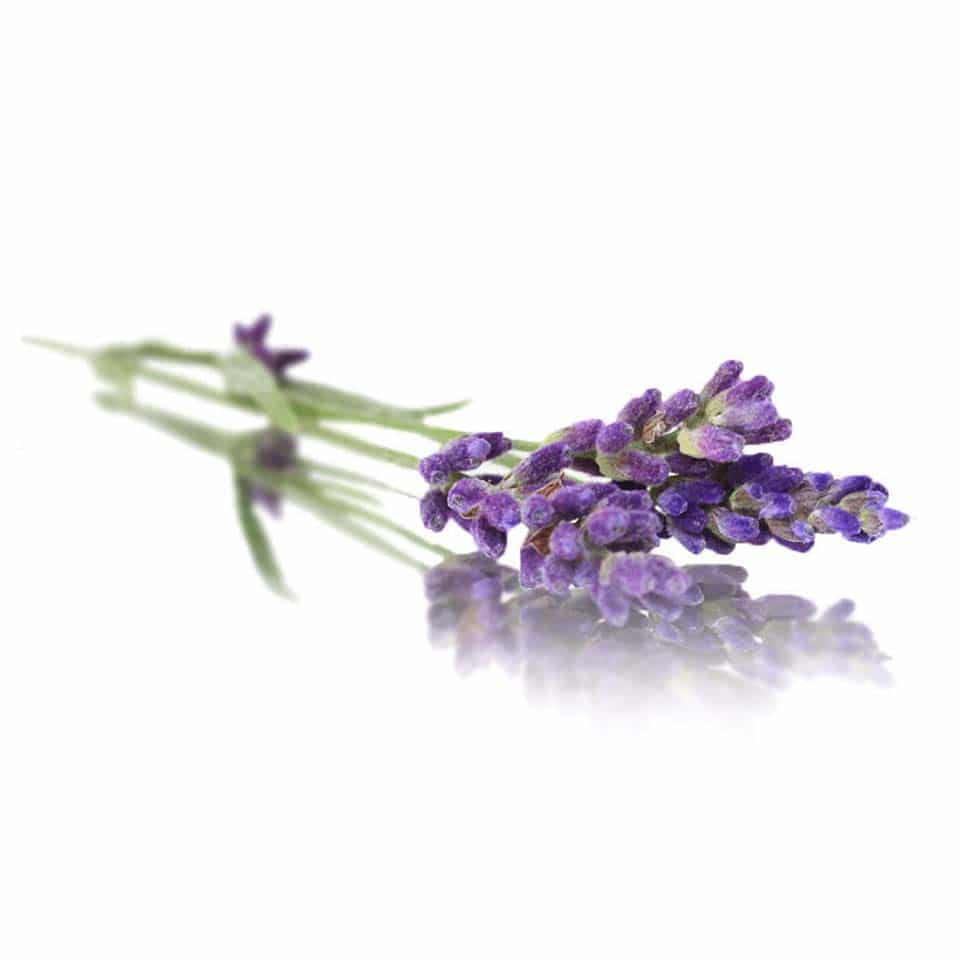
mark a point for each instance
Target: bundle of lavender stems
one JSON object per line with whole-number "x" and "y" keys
{"x": 593, "y": 501}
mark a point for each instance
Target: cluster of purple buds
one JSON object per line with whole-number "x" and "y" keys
{"x": 718, "y": 633}
{"x": 253, "y": 339}
{"x": 671, "y": 468}
{"x": 472, "y": 501}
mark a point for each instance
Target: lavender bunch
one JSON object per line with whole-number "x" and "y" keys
{"x": 594, "y": 499}
{"x": 673, "y": 468}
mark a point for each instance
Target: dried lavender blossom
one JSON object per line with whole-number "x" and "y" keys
{"x": 253, "y": 339}
{"x": 674, "y": 469}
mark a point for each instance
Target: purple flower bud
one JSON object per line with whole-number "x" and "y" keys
{"x": 490, "y": 542}
{"x": 565, "y": 541}
{"x": 641, "y": 467}
{"x": 835, "y": 520}
{"x": 629, "y": 499}
{"x": 893, "y": 519}
{"x": 540, "y": 466}
{"x": 672, "y": 502}
{"x": 747, "y": 468}
{"x": 774, "y": 433}
{"x": 499, "y": 444}
{"x": 631, "y": 573}
{"x": 255, "y": 333}
{"x": 734, "y": 527}
{"x": 434, "y": 468}
{"x": 613, "y": 605}
{"x": 536, "y": 512}
{"x": 433, "y": 510}
{"x": 777, "y": 506}
{"x": 694, "y": 542}
{"x": 557, "y": 574}
{"x": 678, "y": 407}
{"x": 644, "y": 529}
{"x": 711, "y": 443}
{"x": 843, "y": 486}
{"x": 747, "y": 417}
{"x": 639, "y": 410}
{"x": 780, "y": 479}
{"x": 693, "y": 520}
{"x": 727, "y": 374}
{"x": 466, "y": 453}
{"x": 466, "y": 494}
{"x": 574, "y": 501}
{"x": 501, "y": 511}
{"x": 701, "y": 491}
{"x": 688, "y": 466}
{"x": 581, "y": 437}
{"x": 614, "y": 437}
{"x": 253, "y": 339}
{"x": 531, "y": 567}
{"x": 607, "y": 524}
{"x": 749, "y": 391}
{"x": 819, "y": 481}
{"x": 792, "y": 532}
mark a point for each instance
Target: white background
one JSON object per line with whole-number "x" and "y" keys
{"x": 548, "y": 208}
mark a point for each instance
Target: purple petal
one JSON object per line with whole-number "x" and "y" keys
{"x": 725, "y": 377}
{"x": 501, "y": 511}
{"x": 639, "y": 410}
{"x": 537, "y": 512}
{"x": 641, "y": 467}
{"x": 614, "y": 437}
{"x": 678, "y": 407}
{"x": 711, "y": 443}
{"x": 465, "y": 494}
{"x": 607, "y": 524}
{"x": 731, "y": 526}
{"x": 565, "y": 541}
{"x": 433, "y": 510}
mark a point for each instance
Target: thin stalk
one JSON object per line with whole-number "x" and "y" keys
{"x": 354, "y": 476}
{"x": 216, "y": 395}
{"x": 348, "y": 442}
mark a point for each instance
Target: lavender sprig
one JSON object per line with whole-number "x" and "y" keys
{"x": 665, "y": 469}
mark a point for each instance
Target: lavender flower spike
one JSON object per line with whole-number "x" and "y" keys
{"x": 540, "y": 466}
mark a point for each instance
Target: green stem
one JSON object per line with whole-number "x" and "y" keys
{"x": 390, "y": 420}
{"x": 348, "y": 442}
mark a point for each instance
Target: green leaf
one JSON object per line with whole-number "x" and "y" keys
{"x": 248, "y": 377}
{"x": 257, "y": 539}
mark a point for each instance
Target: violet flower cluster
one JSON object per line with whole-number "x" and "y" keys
{"x": 674, "y": 468}
{"x": 719, "y": 637}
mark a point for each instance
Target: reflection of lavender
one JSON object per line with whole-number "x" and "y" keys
{"x": 719, "y": 640}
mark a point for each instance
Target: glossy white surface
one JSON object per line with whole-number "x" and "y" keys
{"x": 547, "y": 208}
